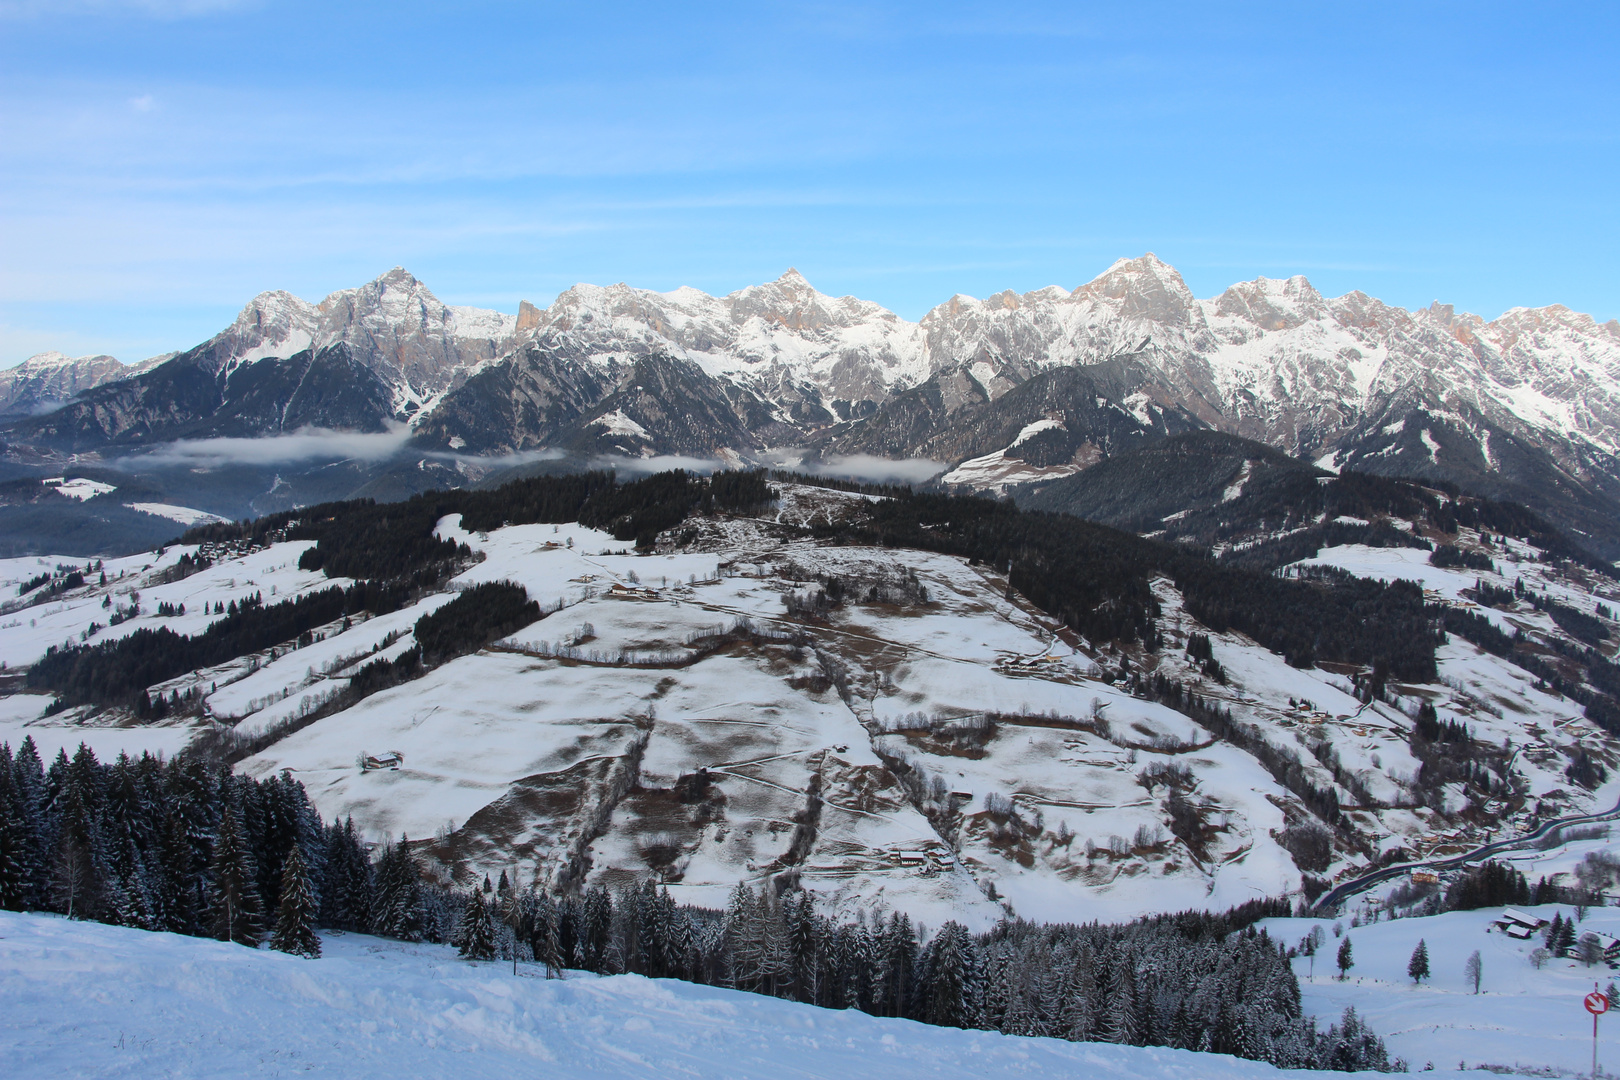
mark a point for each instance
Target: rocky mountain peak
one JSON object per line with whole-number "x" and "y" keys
{"x": 792, "y": 303}
{"x": 52, "y": 360}
{"x": 528, "y": 317}
{"x": 1144, "y": 289}
{"x": 1272, "y": 303}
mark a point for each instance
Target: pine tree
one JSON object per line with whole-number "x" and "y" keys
{"x": 29, "y": 773}
{"x": 950, "y": 978}
{"x": 234, "y": 909}
{"x": 1561, "y": 935}
{"x": 1120, "y": 1020}
{"x": 477, "y": 928}
{"x": 745, "y": 938}
{"x": 1078, "y": 1012}
{"x": 348, "y": 896}
{"x": 130, "y": 899}
{"x": 1346, "y": 958}
{"x": 398, "y": 911}
{"x": 899, "y": 960}
{"x": 79, "y": 868}
{"x": 545, "y": 936}
{"x": 14, "y": 839}
{"x": 295, "y": 915}
{"x": 804, "y": 947}
{"x": 598, "y": 929}
{"x": 1418, "y": 966}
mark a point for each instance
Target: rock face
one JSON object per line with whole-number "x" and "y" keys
{"x": 362, "y": 357}
{"x": 1526, "y": 406}
{"x": 46, "y": 380}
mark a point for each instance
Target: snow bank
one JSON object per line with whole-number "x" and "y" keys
{"x": 146, "y": 1005}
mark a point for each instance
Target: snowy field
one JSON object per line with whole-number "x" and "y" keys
{"x": 1522, "y": 1018}
{"x": 82, "y": 999}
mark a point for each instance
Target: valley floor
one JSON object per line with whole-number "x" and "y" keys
{"x": 1523, "y": 1018}
{"x": 82, "y": 999}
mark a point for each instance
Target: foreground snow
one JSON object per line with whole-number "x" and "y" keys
{"x": 81, "y": 999}
{"x": 1522, "y": 1018}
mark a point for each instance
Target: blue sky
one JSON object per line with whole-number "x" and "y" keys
{"x": 161, "y": 161}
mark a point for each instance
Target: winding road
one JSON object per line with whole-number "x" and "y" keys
{"x": 1340, "y": 893}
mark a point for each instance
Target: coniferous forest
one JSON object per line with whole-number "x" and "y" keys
{"x": 182, "y": 847}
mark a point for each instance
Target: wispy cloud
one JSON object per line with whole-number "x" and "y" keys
{"x": 658, "y": 463}
{"x": 878, "y": 469}
{"x": 306, "y": 444}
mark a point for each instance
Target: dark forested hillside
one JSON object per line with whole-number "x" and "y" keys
{"x": 1096, "y": 580}
{"x": 1184, "y": 474}
{"x": 1211, "y": 489}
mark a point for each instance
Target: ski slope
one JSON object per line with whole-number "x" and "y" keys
{"x": 83, "y": 999}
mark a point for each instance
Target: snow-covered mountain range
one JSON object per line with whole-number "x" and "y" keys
{"x": 46, "y": 380}
{"x": 1526, "y": 406}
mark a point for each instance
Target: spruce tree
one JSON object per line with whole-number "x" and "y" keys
{"x": 234, "y": 909}
{"x": 295, "y": 916}
{"x": 1418, "y": 966}
{"x": 597, "y": 930}
{"x": 545, "y": 940}
{"x": 1566, "y": 938}
{"x": 804, "y": 947}
{"x": 398, "y": 912}
{"x": 14, "y": 841}
{"x": 1079, "y": 993}
{"x": 950, "y": 975}
{"x": 477, "y": 928}
{"x": 1346, "y": 958}
{"x": 29, "y": 773}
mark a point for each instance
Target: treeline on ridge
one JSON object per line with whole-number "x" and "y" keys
{"x": 121, "y": 670}
{"x": 1096, "y": 580}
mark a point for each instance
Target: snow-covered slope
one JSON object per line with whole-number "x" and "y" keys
{"x": 83, "y": 999}
{"x": 1524, "y": 1018}
{"x": 934, "y": 745}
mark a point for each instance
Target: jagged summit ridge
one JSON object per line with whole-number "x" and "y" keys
{"x": 1534, "y": 393}
{"x": 418, "y": 344}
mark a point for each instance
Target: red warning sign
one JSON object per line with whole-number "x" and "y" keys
{"x": 1597, "y": 1004}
